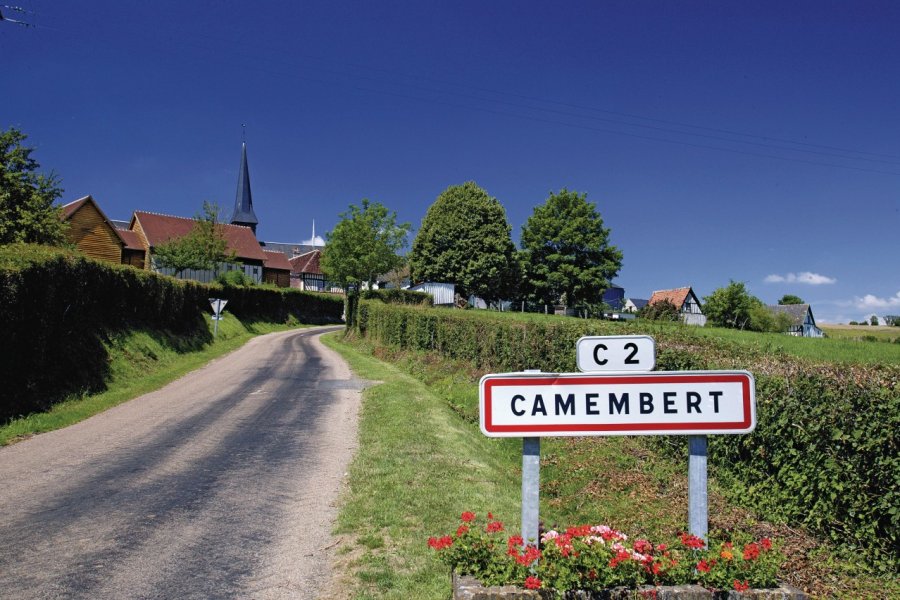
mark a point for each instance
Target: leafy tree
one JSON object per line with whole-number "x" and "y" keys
{"x": 566, "y": 254}
{"x": 791, "y": 299}
{"x": 465, "y": 240}
{"x": 364, "y": 244}
{"x": 27, "y": 213}
{"x": 730, "y": 306}
{"x": 203, "y": 249}
{"x": 892, "y": 320}
{"x": 663, "y": 310}
{"x": 763, "y": 319}
{"x": 873, "y": 320}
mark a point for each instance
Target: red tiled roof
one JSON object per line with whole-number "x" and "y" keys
{"x": 276, "y": 260}
{"x": 676, "y": 296}
{"x": 131, "y": 238}
{"x": 307, "y": 263}
{"x": 161, "y": 228}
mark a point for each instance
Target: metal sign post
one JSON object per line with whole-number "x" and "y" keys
{"x": 698, "y": 505}
{"x": 531, "y": 485}
{"x": 218, "y": 305}
{"x": 617, "y": 394}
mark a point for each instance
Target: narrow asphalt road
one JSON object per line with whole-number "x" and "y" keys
{"x": 223, "y": 484}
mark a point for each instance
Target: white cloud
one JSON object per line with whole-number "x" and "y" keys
{"x": 802, "y": 277}
{"x": 872, "y": 302}
{"x": 316, "y": 241}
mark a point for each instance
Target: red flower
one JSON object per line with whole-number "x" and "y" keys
{"x": 468, "y": 517}
{"x": 692, "y": 541}
{"x": 703, "y": 566}
{"x": 462, "y": 530}
{"x": 580, "y": 531}
{"x": 766, "y": 543}
{"x": 620, "y": 557}
{"x": 741, "y": 586}
{"x": 530, "y": 555}
{"x": 440, "y": 543}
{"x": 751, "y": 552}
{"x": 491, "y": 516}
{"x": 532, "y": 583}
{"x": 643, "y": 546}
{"x": 494, "y": 526}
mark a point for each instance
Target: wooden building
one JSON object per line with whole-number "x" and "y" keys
{"x": 91, "y": 231}
{"x": 277, "y": 269}
{"x": 154, "y": 229}
{"x": 802, "y": 323}
{"x": 306, "y": 274}
{"x": 686, "y": 301}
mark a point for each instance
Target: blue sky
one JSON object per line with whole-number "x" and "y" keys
{"x": 749, "y": 141}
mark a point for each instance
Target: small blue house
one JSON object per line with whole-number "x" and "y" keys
{"x": 802, "y": 323}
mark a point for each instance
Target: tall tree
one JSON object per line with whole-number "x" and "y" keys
{"x": 791, "y": 299}
{"x": 566, "y": 254}
{"x": 203, "y": 249}
{"x": 465, "y": 240}
{"x": 364, "y": 244}
{"x": 27, "y": 213}
{"x": 731, "y": 306}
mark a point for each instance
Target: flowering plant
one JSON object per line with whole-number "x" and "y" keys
{"x": 598, "y": 557}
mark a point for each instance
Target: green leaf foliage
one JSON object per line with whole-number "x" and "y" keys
{"x": 27, "y": 213}
{"x": 566, "y": 255}
{"x": 791, "y": 299}
{"x": 364, "y": 244}
{"x": 203, "y": 249}
{"x": 465, "y": 240}
{"x": 58, "y": 309}
{"x": 731, "y": 306}
{"x": 824, "y": 452}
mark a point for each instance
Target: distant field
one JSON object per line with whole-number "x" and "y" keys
{"x": 844, "y": 344}
{"x": 861, "y": 332}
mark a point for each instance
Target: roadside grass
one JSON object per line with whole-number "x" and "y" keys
{"x": 422, "y": 461}
{"x": 139, "y": 362}
{"x": 417, "y": 469}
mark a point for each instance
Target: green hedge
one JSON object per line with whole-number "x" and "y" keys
{"x": 824, "y": 454}
{"x": 57, "y": 309}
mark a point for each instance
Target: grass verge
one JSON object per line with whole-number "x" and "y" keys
{"x": 418, "y": 467}
{"x": 422, "y": 461}
{"x": 139, "y": 362}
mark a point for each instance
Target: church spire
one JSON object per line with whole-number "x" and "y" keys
{"x": 243, "y": 202}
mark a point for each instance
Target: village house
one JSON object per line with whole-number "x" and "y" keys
{"x": 685, "y": 300}
{"x": 802, "y": 323}
{"x": 633, "y": 305}
{"x": 154, "y": 229}
{"x": 96, "y": 236}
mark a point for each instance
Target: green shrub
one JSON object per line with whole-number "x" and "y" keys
{"x": 825, "y": 451}
{"x": 58, "y": 309}
{"x": 234, "y": 279}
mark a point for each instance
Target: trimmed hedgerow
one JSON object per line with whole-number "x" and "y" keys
{"x": 58, "y": 308}
{"x": 824, "y": 455}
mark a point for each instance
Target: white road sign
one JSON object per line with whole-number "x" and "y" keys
{"x": 218, "y": 305}
{"x": 615, "y": 353}
{"x": 658, "y": 403}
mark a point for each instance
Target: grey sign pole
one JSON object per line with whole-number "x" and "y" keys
{"x": 698, "y": 506}
{"x": 531, "y": 484}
